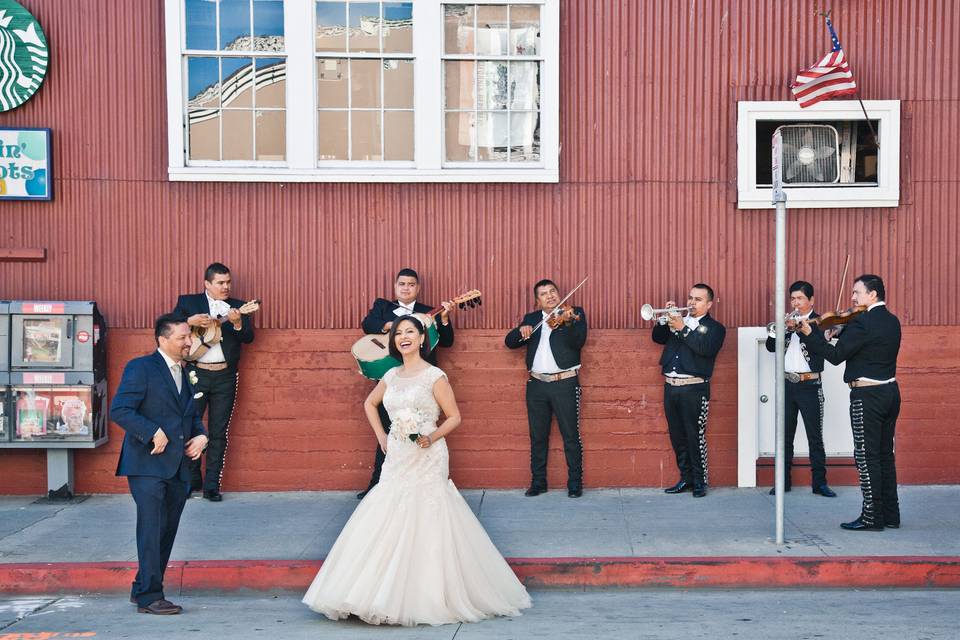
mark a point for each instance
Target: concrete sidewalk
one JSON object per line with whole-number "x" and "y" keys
{"x": 627, "y": 537}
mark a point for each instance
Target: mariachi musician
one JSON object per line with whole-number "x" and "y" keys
{"x": 553, "y": 334}
{"x": 380, "y": 319}
{"x": 690, "y": 347}
{"x": 803, "y": 391}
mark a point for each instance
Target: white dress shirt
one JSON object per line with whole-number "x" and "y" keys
{"x": 218, "y": 308}
{"x": 692, "y": 323}
{"x": 174, "y": 368}
{"x": 793, "y": 361}
{"x": 404, "y": 309}
{"x": 543, "y": 360}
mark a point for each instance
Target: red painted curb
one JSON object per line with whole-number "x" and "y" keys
{"x": 728, "y": 572}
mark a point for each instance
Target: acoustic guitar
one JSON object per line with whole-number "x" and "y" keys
{"x": 372, "y": 352}
{"x": 202, "y": 339}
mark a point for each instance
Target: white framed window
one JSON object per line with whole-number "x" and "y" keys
{"x": 856, "y": 172}
{"x": 363, "y": 90}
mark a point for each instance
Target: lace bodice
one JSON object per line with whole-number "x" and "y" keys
{"x": 415, "y": 394}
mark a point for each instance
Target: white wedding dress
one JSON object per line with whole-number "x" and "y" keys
{"x": 413, "y": 552}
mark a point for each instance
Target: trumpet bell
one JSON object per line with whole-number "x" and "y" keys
{"x": 647, "y": 312}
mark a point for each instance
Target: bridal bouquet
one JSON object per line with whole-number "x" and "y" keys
{"x": 406, "y": 422}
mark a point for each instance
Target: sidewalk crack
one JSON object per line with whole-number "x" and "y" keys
{"x": 35, "y": 522}
{"x": 626, "y": 523}
{"x": 483, "y": 494}
{"x": 28, "y": 613}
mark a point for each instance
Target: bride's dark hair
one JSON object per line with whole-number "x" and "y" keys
{"x": 392, "y": 337}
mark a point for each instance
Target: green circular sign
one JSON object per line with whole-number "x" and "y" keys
{"x": 24, "y": 55}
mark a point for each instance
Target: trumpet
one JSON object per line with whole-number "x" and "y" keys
{"x": 647, "y": 312}
{"x": 793, "y": 315}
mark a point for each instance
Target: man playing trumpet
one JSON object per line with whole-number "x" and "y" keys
{"x": 804, "y": 392}
{"x": 690, "y": 347}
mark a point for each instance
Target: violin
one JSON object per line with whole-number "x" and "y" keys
{"x": 836, "y": 318}
{"x": 562, "y": 316}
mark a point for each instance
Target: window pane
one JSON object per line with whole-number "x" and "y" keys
{"x": 398, "y": 27}
{"x": 271, "y": 135}
{"x": 398, "y": 84}
{"x": 235, "y": 25}
{"x": 398, "y": 135}
{"x": 332, "y": 83}
{"x": 201, "y": 18}
{"x": 331, "y": 26}
{"x": 365, "y": 83}
{"x": 458, "y": 28}
{"x": 458, "y": 82}
{"x": 524, "y": 85}
{"x": 203, "y": 82}
{"x": 268, "y": 25}
{"x": 365, "y": 135}
{"x": 524, "y": 29}
{"x": 492, "y": 136}
{"x": 204, "y": 132}
{"x": 459, "y": 135}
{"x": 524, "y": 136}
{"x": 236, "y": 82}
{"x": 364, "y": 30}
{"x": 492, "y": 30}
{"x": 238, "y": 135}
{"x": 491, "y": 84}
{"x": 271, "y": 82}
{"x": 332, "y": 126}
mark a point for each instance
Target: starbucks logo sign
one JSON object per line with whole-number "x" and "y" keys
{"x": 24, "y": 55}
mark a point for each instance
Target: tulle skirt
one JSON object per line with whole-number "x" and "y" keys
{"x": 415, "y": 554}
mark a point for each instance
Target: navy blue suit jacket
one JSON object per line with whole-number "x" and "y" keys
{"x": 146, "y": 400}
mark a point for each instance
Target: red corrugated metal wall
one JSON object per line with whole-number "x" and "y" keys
{"x": 646, "y": 206}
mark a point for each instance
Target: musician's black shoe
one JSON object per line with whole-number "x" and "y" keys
{"x": 860, "y": 525}
{"x": 534, "y": 491}
{"x": 825, "y": 491}
{"x": 680, "y": 487}
{"x": 213, "y": 495}
{"x": 699, "y": 490}
{"x": 574, "y": 493}
{"x": 773, "y": 490}
{"x": 363, "y": 494}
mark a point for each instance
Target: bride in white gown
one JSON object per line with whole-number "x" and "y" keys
{"x": 413, "y": 552}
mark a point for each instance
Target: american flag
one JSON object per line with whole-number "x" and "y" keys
{"x": 829, "y": 78}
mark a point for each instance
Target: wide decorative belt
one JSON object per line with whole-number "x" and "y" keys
{"x": 801, "y": 377}
{"x": 211, "y": 366}
{"x": 856, "y": 384}
{"x": 554, "y": 377}
{"x": 682, "y": 382}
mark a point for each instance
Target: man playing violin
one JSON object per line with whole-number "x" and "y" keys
{"x": 869, "y": 345}
{"x": 216, "y": 370}
{"x": 380, "y": 319}
{"x": 804, "y": 393}
{"x": 690, "y": 347}
{"x": 554, "y": 337}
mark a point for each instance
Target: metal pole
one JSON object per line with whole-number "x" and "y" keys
{"x": 780, "y": 311}
{"x": 780, "y": 200}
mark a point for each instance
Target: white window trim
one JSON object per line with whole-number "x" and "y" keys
{"x": 302, "y": 165}
{"x": 885, "y": 194}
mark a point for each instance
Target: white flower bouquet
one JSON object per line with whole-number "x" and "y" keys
{"x": 407, "y": 422}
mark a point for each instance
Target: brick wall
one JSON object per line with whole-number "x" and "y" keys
{"x": 299, "y": 423}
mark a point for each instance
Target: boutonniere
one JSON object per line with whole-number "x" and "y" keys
{"x": 192, "y": 377}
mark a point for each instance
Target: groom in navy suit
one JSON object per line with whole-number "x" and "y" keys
{"x": 154, "y": 405}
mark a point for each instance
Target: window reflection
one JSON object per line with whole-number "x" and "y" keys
{"x": 235, "y": 25}
{"x": 201, "y": 24}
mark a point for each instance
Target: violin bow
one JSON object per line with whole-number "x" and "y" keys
{"x": 559, "y": 304}
{"x": 843, "y": 279}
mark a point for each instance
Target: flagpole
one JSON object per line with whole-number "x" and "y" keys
{"x": 873, "y": 133}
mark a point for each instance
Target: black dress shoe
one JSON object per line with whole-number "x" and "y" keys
{"x": 699, "y": 490}
{"x": 534, "y": 491}
{"x": 363, "y": 494}
{"x": 860, "y": 525}
{"x": 574, "y": 493}
{"x": 825, "y": 491}
{"x": 133, "y": 600}
{"x": 161, "y": 608}
{"x": 773, "y": 490}
{"x": 892, "y": 525}
{"x": 212, "y": 495}
{"x": 680, "y": 487}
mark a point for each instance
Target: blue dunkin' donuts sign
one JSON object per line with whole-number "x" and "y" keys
{"x": 25, "y": 164}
